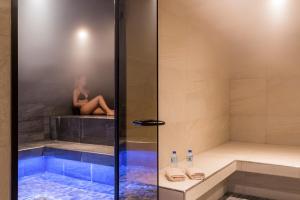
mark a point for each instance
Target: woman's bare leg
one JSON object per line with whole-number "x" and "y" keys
{"x": 89, "y": 107}
{"x": 104, "y": 106}
{"x": 95, "y": 103}
{"x": 98, "y": 111}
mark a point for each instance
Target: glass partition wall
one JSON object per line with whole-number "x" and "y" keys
{"x": 138, "y": 108}
{"x": 85, "y": 85}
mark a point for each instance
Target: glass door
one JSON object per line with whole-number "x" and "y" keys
{"x": 138, "y": 99}
{"x": 63, "y": 87}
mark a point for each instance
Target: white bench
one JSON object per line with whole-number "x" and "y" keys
{"x": 220, "y": 162}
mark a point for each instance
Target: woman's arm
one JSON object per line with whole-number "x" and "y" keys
{"x": 76, "y": 102}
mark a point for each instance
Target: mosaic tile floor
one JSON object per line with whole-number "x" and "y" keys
{"x": 49, "y": 186}
{"x": 138, "y": 182}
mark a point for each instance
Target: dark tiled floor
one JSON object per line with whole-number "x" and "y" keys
{"x": 234, "y": 196}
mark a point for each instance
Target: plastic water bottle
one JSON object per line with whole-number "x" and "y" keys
{"x": 174, "y": 159}
{"x": 189, "y": 158}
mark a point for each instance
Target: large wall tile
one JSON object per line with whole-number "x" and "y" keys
{"x": 4, "y": 172}
{"x": 171, "y": 137}
{"x": 285, "y": 64}
{"x": 265, "y": 111}
{"x": 248, "y": 128}
{"x": 248, "y": 97}
{"x": 283, "y": 139}
{"x": 247, "y": 66}
{"x": 4, "y": 3}
{"x": 283, "y": 129}
{"x": 5, "y": 21}
{"x": 209, "y": 131}
{"x": 284, "y": 97}
{"x": 5, "y": 99}
{"x": 172, "y": 107}
{"x": 174, "y": 41}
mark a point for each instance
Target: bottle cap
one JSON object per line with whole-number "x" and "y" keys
{"x": 190, "y": 151}
{"x": 173, "y": 152}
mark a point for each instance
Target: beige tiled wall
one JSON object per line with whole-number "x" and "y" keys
{"x": 193, "y": 83}
{"x": 265, "y": 88}
{"x": 264, "y": 68}
{"x": 197, "y": 40}
{"x": 4, "y": 99}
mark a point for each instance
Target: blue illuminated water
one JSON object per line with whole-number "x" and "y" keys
{"x": 50, "y": 186}
{"x": 51, "y": 178}
{"x": 138, "y": 175}
{"x": 85, "y": 171}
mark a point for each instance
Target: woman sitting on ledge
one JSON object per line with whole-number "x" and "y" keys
{"x": 96, "y": 106}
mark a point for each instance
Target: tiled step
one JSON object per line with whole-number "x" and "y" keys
{"x": 234, "y": 196}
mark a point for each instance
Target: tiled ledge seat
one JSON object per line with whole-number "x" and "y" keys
{"x": 83, "y": 129}
{"x": 71, "y": 146}
{"x": 220, "y": 162}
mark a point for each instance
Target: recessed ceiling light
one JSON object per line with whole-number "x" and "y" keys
{"x": 278, "y": 4}
{"x": 82, "y": 34}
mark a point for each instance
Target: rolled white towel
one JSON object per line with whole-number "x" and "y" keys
{"x": 175, "y": 174}
{"x": 195, "y": 173}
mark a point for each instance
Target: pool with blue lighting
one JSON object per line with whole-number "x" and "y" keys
{"x": 51, "y": 186}
{"x": 51, "y": 174}
{"x": 49, "y": 177}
